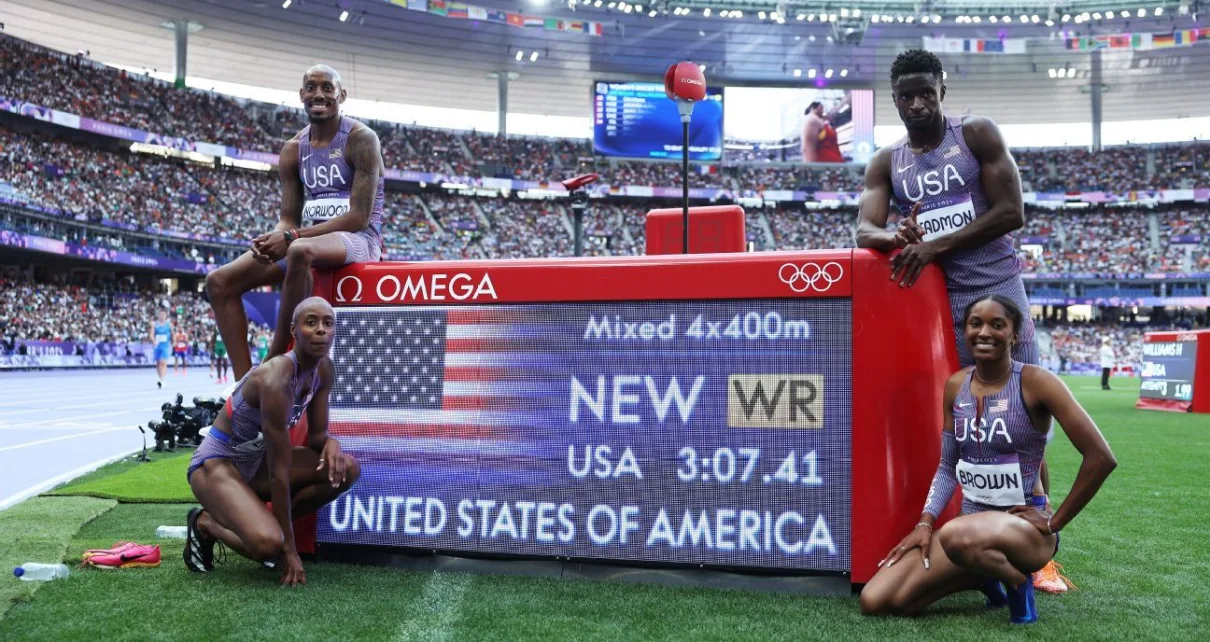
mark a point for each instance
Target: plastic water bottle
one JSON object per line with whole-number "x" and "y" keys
{"x": 171, "y": 532}
{"x": 31, "y": 572}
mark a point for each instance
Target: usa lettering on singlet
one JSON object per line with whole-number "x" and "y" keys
{"x": 999, "y": 448}
{"x": 327, "y": 178}
{"x": 947, "y": 181}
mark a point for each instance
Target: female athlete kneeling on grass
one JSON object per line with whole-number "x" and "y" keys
{"x": 997, "y": 416}
{"x": 232, "y": 477}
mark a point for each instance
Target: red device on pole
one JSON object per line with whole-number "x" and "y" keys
{"x": 685, "y": 83}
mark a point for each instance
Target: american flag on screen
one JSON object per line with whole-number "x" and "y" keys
{"x": 428, "y": 372}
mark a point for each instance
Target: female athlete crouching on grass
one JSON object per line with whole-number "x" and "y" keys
{"x": 231, "y": 475}
{"x": 997, "y": 416}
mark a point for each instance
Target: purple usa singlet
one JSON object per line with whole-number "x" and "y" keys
{"x": 949, "y": 183}
{"x": 327, "y": 179}
{"x": 993, "y": 452}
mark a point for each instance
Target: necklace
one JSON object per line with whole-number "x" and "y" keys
{"x": 992, "y": 383}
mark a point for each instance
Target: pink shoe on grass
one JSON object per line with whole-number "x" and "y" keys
{"x": 135, "y": 556}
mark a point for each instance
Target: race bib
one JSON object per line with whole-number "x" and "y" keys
{"x": 994, "y": 481}
{"x": 946, "y": 219}
{"x": 161, "y": 338}
{"x": 324, "y": 209}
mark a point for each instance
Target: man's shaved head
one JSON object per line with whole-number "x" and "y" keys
{"x": 324, "y": 69}
{"x": 312, "y": 304}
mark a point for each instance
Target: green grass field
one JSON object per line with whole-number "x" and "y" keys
{"x": 1139, "y": 553}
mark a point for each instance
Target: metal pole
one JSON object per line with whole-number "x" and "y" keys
{"x": 685, "y": 185}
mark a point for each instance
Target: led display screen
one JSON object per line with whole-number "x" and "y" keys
{"x": 637, "y": 120}
{"x": 1168, "y": 370}
{"x": 684, "y": 432}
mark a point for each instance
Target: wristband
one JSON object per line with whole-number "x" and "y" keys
{"x": 291, "y": 235}
{"x": 930, "y": 526}
{"x": 1052, "y": 531}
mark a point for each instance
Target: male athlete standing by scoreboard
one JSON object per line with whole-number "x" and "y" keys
{"x": 961, "y": 185}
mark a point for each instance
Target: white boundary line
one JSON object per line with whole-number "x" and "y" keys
{"x": 41, "y": 487}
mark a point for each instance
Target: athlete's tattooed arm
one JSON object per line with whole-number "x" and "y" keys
{"x": 1001, "y": 184}
{"x": 365, "y": 155}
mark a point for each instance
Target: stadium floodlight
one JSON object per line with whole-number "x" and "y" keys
{"x": 1159, "y": 11}
{"x": 844, "y": 72}
{"x": 857, "y": 13}
{"x": 1024, "y": 18}
{"x": 994, "y": 19}
{"x": 702, "y": 67}
{"x": 533, "y": 57}
{"x": 977, "y": 19}
{"x": 611, "y": 5}
{"x": 1096, "y": 16}
{"x": 344, "y": 15}
{"x": 844, "y": 12}
{"x": 798, "y": 73}
{"x": 810, "y": 17}
{"x": 286, "y": 4}
{"x": 874, "y": 18}
{"x": 910, "y": 19}
{"x": 802, "y": 16}
{"x": 761, "y": 15}
{"x": 520, "y": 55}
{"x": 1050, "y": 23}
{"x": 827, "y": 74}
{"x": 831, "y": 17}
{"x": 1035, "y": 19}
{"x": 1051, "y": 72}
{"x": 1066, "y": 17}
{"x": 653, "y": 13}
{"x": 1007, "y": 19}
{"x": 1142, "y": 12}
{"x": 706, "y": 12}
{"x": 810, "y": 73}
{"x": 936, "y": 19}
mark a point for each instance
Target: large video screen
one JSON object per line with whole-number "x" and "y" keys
{"x": 1168, "y": 370}
{"x": 713, "y": 433}
{"x": 636, "y": 120}
{"x": 799, "y": 124}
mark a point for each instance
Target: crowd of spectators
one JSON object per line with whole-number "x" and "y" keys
{"x": 59, "y": 311}
{"x": 1179, "y": 166}
{"x": 523, "y": 229}
{"x": 797, "y": 229}
{"x": 1079, "y": 344}
{"x": 1113, "y": 169}
{"x": 524, "y": 158}
{"x": 164, "y": 195}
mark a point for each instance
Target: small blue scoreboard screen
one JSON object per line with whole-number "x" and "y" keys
{"x": 1168, "y": 370}
{"x": 636, "y": 120}
{"x": 683, "y": 432}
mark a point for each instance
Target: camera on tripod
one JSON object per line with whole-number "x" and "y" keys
{"x": 183, "y": 424}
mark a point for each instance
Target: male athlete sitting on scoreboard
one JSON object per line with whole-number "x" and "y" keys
{"x": 997, "y": 415}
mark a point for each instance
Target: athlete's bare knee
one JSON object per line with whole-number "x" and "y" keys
{"x": 264, "y": 544}
{"x": 219, "y": 284}
{"x": 959, "y": 541}
{"x": 301, "y": 254}
{"x": 873, "y": 602}
{"x": 880, "y": 602}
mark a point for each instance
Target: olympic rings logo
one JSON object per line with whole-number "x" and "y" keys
{"x": 810, "y": 276}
